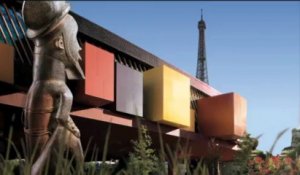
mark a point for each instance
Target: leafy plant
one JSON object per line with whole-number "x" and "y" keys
{"x": 246, "y": 144}
{"x": 142, "y": 160}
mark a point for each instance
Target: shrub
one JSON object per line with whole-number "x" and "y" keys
{"x": 142, "y": 160}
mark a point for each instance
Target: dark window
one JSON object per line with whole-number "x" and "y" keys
{"x": 12, "y": 32}
{"x": 10, "y": 25}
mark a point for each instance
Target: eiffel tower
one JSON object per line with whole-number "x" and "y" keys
{"x": 201, "y": 63}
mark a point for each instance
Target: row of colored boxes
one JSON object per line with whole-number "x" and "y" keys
{"x": 160, "y": 94}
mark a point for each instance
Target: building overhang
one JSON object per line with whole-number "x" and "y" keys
{"x": 92, "y": 123}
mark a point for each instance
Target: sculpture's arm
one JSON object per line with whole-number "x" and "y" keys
{"x": 64, "y": 104}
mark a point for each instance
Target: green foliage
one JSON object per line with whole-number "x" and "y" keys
{"x": 200, "y": 169}
{"x": 251, "y": 161}
{"x": 240, "y": 165}
{"x": 142, "y": 161}
{"x": 98, "y": 168}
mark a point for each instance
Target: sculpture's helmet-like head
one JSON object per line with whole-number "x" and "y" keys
{"x": 42, "y": 16}
{"x": 50, "y": 25}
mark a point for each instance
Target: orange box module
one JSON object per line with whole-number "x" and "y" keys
{"x": 98, "y": 86}
{"x": 222, "y": 116}
{"x": 6, "y": 63}
{"x": 167, "y": 96}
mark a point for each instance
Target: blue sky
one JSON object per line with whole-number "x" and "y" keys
{"x": 253, "y": 48}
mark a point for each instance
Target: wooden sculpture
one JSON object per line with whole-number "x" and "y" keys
{"x": 48, "y": 124}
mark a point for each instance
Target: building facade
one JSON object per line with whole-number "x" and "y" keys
{"x": 125, "y": 87}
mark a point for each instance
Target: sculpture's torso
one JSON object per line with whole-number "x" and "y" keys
{"x": 43, "y": 101}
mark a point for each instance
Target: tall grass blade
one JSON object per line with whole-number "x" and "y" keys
{"x": 105, "y": 149}
{"x": 279, "y": 135}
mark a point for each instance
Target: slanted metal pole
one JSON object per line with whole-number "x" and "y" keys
{"x": 17, "y": 34}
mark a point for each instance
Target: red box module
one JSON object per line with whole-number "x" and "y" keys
{"x": 98, "y": 86}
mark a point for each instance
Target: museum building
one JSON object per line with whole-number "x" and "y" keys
{"x": 124, "y": 87}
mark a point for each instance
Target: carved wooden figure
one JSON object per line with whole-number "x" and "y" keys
{"x": 48, "y": 124}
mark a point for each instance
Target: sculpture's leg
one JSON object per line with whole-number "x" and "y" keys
{"x": 76, "y": 150}
{"x": 60, "y": 140}
{"x": 45, "y": 154}
{"x": 36, "y": 134}
{"x": 35, "y": 145}
{"x": 74, "y": 142}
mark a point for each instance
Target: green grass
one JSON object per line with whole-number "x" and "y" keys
{"x": 143, "y": 160}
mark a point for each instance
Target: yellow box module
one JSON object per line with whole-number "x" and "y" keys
{"x": 191, "y": 128}
{"x": 167, "y": 96}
